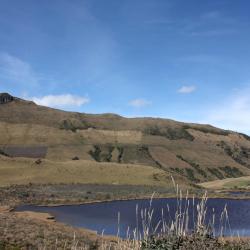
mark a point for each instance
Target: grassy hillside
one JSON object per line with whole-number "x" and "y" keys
{"x": 228, "y": 183}
{"x": 134, "y": 150}
{"x": 25, "y": 171}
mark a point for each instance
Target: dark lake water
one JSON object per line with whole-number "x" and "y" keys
{"x": 103, "y": 217}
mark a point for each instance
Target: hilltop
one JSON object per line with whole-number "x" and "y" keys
{"x": 98, "y": 148}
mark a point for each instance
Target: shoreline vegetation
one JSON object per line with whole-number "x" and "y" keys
{"x": 30, "y": 230}
{"x": 77, "y": 194}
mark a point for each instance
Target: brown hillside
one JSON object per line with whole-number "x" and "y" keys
{"x": 193, "y": 152}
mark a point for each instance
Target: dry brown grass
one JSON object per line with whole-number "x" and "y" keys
{"x": 111, "y": 136}
{"x": 228, "y": 183}
{"x": 24, "y": 123}
{"x": 24, "y": 171}
{"x": 27, "y": 230}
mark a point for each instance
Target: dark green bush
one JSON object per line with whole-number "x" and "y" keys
{"x": 120, "y": 149}
{"x": 96, "y": 153}
{"x": 190, "y": 175}
{"x": 196, "y": 166}
{"x": 216, "y": 173}
{"x": 178, "y": 170}
{"x": 231, "y": 171}
{"x": 102, "y": 153}
{"x": 170, "y": 133}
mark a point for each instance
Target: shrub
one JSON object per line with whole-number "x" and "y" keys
{"x": 170, "y": 133}
{"x": 178, "y": 170}
{"x": 120, "y": 149}
{"x": 231, "y": 171}
{"x": 216, "y": 173}
{"x": 96, "y": 153}
{"x": 196, "y": 166}
{"x": 190, "y": 175}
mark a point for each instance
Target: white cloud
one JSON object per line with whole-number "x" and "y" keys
{"x": 16, "y": 70}
{"x": 139, "y": 103}
{"x": 233, "y": 113}
{"x": 186, "y": 89}
{"x": 66, "y": 100}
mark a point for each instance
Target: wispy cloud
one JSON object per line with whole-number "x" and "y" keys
{"x": 186, "y": 89}
{"x": 66, "y": 100}
{"x": 232, "y": 113}
{"x": 139, "y": 103}
{"x": 15, "y": 70}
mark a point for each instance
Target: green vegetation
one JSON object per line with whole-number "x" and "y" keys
{"x": 196, "y": 166}
{"x": 238, "y": 153}
{"x": 190, "y": 175}
{"x": 231, "y": 172}
{"x": 102, "y": 153}
{"x": 126, "y": 154}
{"x": 3, "y": 153}
{"x": 68, "y": 125}
{"x": 6, "y": 246}
{"x": 245, "y": 152}
{"x": 73, "y": 124}
{"x": 96, "y": 153}
{"x": 77, "y": 193}
{"x": 178, "y": 170}
{"x": 216, "y": 173}
{"x": 175, "y": 242}
{"x": 108, "y": 155}
{"x": 170, "y": 133}
{"x": 120, "y": 149}
{"x": 199, "y": 170}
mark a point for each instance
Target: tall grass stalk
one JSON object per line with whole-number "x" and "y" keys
{"x": 170, "y": 230}
{"x": 173, "y": 228}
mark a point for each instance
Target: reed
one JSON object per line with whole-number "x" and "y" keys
{"x": 172, "y": 233}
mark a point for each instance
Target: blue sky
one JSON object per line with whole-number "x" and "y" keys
{"x": 184, "y": 60}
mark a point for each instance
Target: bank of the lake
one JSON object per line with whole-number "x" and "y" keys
{"x": 32, "y": 230}
{"x": 61, "y": 194}
{"x": 103, "y": 216}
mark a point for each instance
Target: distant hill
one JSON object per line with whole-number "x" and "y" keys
{"x": 192, "y": 152}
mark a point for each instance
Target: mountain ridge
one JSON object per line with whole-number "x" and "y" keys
{"x": 17, "y": 101}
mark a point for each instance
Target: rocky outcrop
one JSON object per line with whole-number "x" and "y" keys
{"x": 5, "y": 98}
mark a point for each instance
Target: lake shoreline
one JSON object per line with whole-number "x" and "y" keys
{"x": 227, "y": 197}
{"x": 73, "y": 194}
{"x": 96, "y": 216}
{"x": 21, "y": 229}
{"x": 53, "y": 203}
